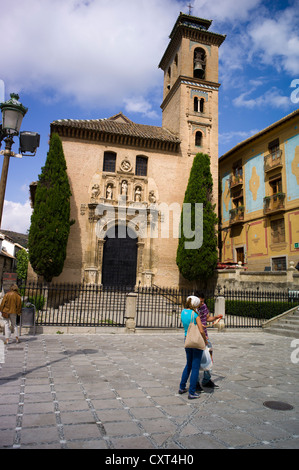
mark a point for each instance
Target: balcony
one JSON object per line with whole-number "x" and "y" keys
{"x": 274, "y": 203}
{"x": 273, "y": 160}
{"x": 236, "y": 181}
{"x": 236, "y": 215}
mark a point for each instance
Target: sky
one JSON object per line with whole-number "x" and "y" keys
{"x": 90, "y": 59}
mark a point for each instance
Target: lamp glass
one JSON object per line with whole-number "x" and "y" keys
{"x": 11, "y": 121}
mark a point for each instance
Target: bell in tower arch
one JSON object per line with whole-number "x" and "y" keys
{"x": 199, "y": 67}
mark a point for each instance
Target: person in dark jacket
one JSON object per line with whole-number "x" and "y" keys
{"x": 10, "y": 307}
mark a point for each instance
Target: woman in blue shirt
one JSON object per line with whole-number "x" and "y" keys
{"x": 193, "y": 355}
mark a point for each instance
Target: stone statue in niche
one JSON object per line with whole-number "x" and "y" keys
{"x": 124, "y": 188}
{"x": 95, "y": 191}
{"x": 109, "y": 192}
{"x": 137, "y": 197}
{"x": 152, "y": 198}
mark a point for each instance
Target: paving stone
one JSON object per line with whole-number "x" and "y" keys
{"x": 41, "y": 419}
{"x": 90, "y": 444}
{"x": 39, "y": 435}
{"x": 159, "y": 425}
{"x": 200, "y": 441}
{"x": 78, "y": 431}
{"x": 7, "y": 437}
{"x": 132, "y": 443}
{"x": 235, "y": 437}
{"x": 122, "y": 428}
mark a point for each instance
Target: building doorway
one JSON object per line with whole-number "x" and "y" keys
{"x": 119, "y": 258}
{"x": 240, "y": 255}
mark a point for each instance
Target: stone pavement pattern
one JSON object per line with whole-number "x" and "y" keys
{"x": 120, "y": 392}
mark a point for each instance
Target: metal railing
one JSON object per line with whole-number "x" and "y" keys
{"x": 156, "y": 307}
{"x": 274, "y": 203}
{"x": 273, "y": 160}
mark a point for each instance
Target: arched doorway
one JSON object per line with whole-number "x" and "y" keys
{"x": 119, "y": 258}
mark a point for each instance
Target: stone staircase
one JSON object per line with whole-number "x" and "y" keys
{"x": 109, "y": 307}
{"x": 286, "y": 324}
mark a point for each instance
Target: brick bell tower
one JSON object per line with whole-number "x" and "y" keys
{"x": 190, "y": 94}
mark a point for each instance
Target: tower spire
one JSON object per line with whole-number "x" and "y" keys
{"x": 190, "y": 8}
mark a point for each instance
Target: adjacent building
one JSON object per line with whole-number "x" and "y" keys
{"x": 259, "y": 194}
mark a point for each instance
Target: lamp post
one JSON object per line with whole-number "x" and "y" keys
{"x": 12, "y": 115}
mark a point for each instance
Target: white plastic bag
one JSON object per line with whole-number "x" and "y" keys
{"x": 206, "y": 362}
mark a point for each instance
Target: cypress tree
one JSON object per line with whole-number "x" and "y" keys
{"x": 50, "y": 221}
{"x": 199, "y": 263}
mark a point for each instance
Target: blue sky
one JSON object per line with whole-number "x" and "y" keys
{"x": 90, "y": 59}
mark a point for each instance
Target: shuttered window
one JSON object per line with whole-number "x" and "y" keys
{"x": 277, "y": 231}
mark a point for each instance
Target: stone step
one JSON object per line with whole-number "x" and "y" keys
{"x": 289, "y": 321}
{"x": 282, "y": 332}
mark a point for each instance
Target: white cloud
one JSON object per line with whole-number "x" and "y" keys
{"x": 16, "y": 216}
{"x": 227, "y": 137}
{"x": 94, "y": 52}
{"x": 140, "y": 105}
{"x": 271, "y": 99}
{"x": 276, "y": 39}
{"x": 225, "y": 10}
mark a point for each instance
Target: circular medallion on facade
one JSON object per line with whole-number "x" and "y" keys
{"x": 125, "y": 166}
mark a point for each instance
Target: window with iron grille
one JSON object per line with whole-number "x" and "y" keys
{"x": 279, "y": 263}
{"x": 141, "y": 166}
{"x": 109, "y": 161}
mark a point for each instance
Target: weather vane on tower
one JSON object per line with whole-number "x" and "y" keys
{"x": 190, "y": 8}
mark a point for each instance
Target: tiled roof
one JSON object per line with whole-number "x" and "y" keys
{"x": 123, "y": 127}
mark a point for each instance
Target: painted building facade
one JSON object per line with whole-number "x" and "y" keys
{"x": 118, "y": 168}
{"x": 259, "y": 209}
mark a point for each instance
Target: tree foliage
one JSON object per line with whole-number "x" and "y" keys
{"x": 50, "y": 221}
{"x": 22, "y": 264}
{"x": 199, "y": 263}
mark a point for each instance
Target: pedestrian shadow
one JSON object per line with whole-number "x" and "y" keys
{"x": 69, "y": 354}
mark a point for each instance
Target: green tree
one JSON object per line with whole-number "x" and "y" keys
{"x": 50, "y": 221}
{"x": 22, "y": 264}
{"x": 199, "y": 264}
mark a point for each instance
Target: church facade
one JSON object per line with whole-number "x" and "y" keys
{"x": 128, "y": 180}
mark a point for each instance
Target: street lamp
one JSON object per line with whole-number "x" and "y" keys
{"x": 12, "y": 116}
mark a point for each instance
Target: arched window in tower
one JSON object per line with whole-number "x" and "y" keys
{"x": 199, "y": 65}
{"x": 199, "y": 105}
{"x": 198, "y": 139}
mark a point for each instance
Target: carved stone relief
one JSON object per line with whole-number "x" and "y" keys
{"x": 125, "y": 166}
{"x": 95, "y": 192}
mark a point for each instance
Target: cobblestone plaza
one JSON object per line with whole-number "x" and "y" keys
{"x": 120, "y": 391}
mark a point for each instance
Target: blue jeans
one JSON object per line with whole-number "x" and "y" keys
{"x": 193, "y": 364}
